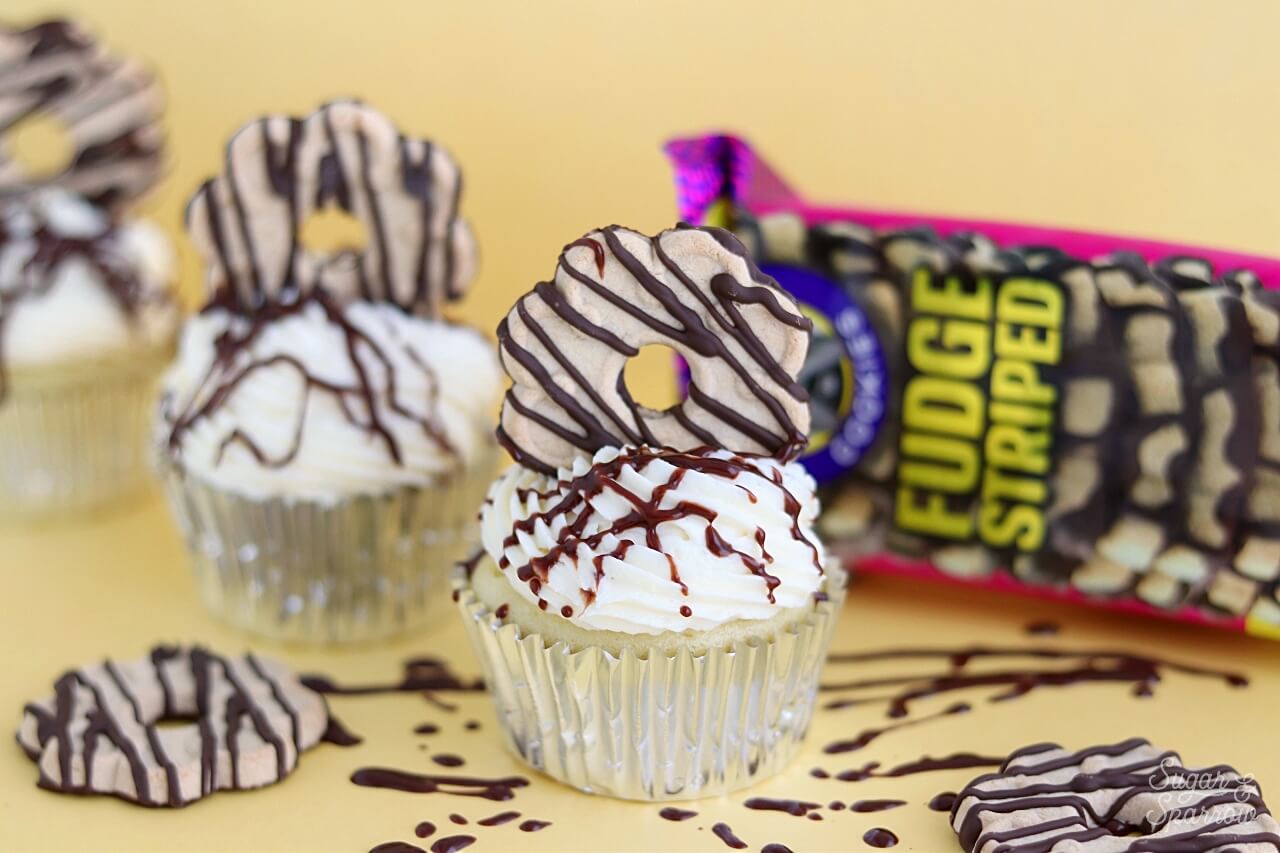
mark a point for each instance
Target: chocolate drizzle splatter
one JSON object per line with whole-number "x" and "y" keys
{"x": 102, "y": 253}
{"x": 361, "y": 403}
{"x": 576, "y": 495}
{"x": 498, "y": 789}
{"x": 1143, "y": 672}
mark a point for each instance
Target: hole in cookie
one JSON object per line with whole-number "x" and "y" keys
{"x": 41, "y": 145}
{"x": 650, "y": 377}
{"x": 331, "y": 231}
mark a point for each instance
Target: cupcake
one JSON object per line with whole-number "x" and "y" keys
{"x": 651, "y": 605}
{"x": 323, "y": 431}
{"x": 87, "y": 311}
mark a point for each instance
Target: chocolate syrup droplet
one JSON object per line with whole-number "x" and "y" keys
{"x": 673, "y": 813}
{"x": 686, "y": 611}
{"x": 499, "y": 819}
{"x": 453, "y": 843}
{"x": 943, "y": 802}
{"x": 798, "y": 808}
{"x": 725, "y": 834}
{"x": 426, "y": 729}
{"x": 875, "y": 805}
{"x": 426, "y": 829}
{"x": 471, "y": 725}
{"x": 444, "y": 759}
{"x": 339, "y": 735}
{"x": 421, "y": 783}
{"x": 775, "y": 848}
{"x": 534, "y": 825}
{"x": 502, "y": 611}
{"x": 878, "y": 836}
{"x": 458, "y": 819}
{"x": 397, "y": 847}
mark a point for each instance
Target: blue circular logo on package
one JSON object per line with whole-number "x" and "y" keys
{"x": 845, "y": 373}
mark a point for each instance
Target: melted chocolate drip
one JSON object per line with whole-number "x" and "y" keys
{"x": 420, "y": 674}
{"x": 875, "y": 805}
{"x": 577, "y": 493}
{"x": 942, "y": 802}
{"x": 725, "y": 833}
{"x": 101, "y": 253}
{"x": 1090, "y": 666}
{"x": 339, "y": 735}
{"x": 453, "y": 843}
{"x": 856, "y": 743}
{"x": 957, "y": 761}
{"x": 361, "y": 404}
{"x": 397, "y": 847}
{"x": 420, "y": 783}
{"x": 797, "y": 808}
{"x": 878, "y": 836}
{"x": 499, "y": 819}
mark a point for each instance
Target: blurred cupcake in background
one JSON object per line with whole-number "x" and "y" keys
{"x": 652, "y": 606}
{"x": 323, "y": 433}
{"x": 87, "y": 309}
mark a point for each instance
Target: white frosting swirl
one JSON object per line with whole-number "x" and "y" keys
{"x": 56, "y": 302}
{"x": 290, "y": 391}
{"x": 761, "y": 510}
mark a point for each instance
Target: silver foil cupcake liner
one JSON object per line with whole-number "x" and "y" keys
{"x": 658, "y": 726}
{"x": 74, "y": 438}
{"x": 366, "y": 568}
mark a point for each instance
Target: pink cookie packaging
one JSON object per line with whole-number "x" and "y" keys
{"x": 1061, "y": 413}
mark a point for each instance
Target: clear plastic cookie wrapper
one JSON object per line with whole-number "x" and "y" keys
{"x": 87, "y": 309}
{"x": 652, "y": 605}
{"x": 1070, "y": 414}
{"x": 324, "y": 431}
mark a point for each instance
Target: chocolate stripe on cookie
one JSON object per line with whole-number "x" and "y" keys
{"x": 691, "y": 289}
{"x": 1043, "y": 797}
{"x": 280, "y": 170}
{"x": 103, "y": 715}
{"x": 109, "y": 108}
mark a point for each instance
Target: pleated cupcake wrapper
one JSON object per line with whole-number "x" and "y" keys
{"x": 366, "y": 568}
{"x": 662, "y": 726}
{"x": 74, "y": 438}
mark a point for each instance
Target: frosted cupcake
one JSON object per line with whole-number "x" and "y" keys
{"x": 323, "y": 432}
{"x": 651, "y": 605}
{"x": 87, "y": 313}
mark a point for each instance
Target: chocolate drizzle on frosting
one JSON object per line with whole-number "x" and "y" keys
{"x": 361, "y": 402}
{"x": 108, "y": 713}
{"x": 109, "y": 108}
{"x": 568, "y": 396}
{"x": 646, "y": 515}
{"x": 28, "y": 223}
{"x": 280, "y": 170}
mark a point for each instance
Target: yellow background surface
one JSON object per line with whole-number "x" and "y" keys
{"x": 1153, "y": 119}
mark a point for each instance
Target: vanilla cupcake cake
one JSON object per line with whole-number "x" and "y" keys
{"x": 652, "y": 606}
{"x": 323, "y": 431}
{"x": 87, "y": 312}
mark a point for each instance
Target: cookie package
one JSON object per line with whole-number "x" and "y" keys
{"x": 1061, "y": 413}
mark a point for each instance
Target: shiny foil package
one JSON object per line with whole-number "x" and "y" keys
{"x": 1064, "y": 413}
{"x": 656, "y": 726}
